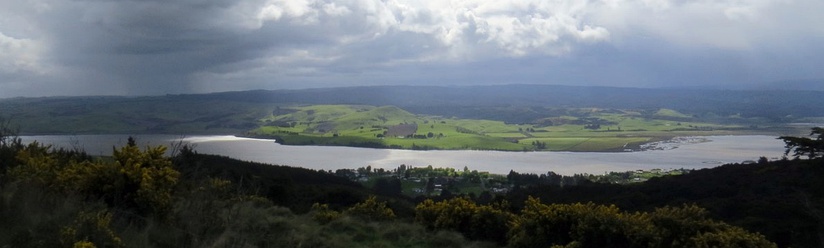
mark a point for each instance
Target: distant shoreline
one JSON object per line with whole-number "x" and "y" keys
{"x": 655, "y": 143}
{"x": 724, "y": 148}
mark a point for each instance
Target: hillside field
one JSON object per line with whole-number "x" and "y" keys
{"x": 392, "y": 127}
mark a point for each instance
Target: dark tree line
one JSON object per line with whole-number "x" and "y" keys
{"x": 550, "y": 178}
{"x": 803, "y": 146}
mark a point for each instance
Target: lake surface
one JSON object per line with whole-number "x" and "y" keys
{"x": 715, "y": 151}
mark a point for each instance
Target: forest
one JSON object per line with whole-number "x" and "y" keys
{"x": 139, "y": 197}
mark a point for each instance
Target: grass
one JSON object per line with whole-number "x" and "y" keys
{"x": 670, "y": 113}
{"x": 356, "y": 125}
{"x": 585, "y": 144}
{"x": 516, "y": 135}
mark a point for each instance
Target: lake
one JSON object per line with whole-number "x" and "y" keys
{"x": 688, "y": 153}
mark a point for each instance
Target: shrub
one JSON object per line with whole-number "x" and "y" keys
{"x": 476, "y": 222}
{"x": 322, "y": 214}
{"x": 371, "y": 210}
{"x": 138, "y": 180}
{"x": 91, "y": 229}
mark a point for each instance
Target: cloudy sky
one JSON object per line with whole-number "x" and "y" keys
{"x": 147, "y": 47}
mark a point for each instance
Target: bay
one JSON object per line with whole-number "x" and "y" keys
{"x": 715, "y": 151}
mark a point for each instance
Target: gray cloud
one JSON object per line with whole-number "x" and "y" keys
{"x": 130, "y": 47}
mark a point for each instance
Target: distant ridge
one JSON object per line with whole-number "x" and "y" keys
{"x": 785, "y": 85}
{"x": 432, "y": 99}
{"x": 800, "y": 85}
{"x": 427, "y": 99}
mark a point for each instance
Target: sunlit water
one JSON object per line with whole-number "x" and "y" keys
{"x": 719, "y": 149}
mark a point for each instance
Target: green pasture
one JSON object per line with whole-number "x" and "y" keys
{"x": 588, "y": 143}
{"x": 457, "y": 142}
{"x": 670, "y": 113}
{"x": 349, "y": 125}
{"x": 516, "y": 135}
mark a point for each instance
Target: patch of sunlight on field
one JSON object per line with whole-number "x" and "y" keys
{"x": 273, "y": 130}
{"x": 506, "y": 135}
{"x": 561, "y": 128}
{"x": 482, "y": 126}
{"x": 671, "y": 113}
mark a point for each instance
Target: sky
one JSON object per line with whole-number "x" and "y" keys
{"x": 152, "y": 47}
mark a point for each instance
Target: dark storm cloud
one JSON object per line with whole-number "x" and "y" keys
{"x": 135, "y": 47}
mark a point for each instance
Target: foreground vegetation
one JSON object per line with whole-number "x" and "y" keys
{"x": 138, "y": 197}
{"x": 61, "y": 199}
